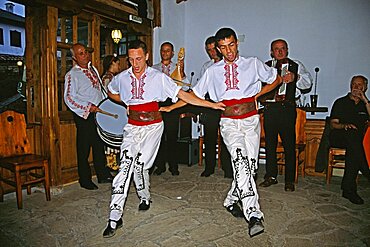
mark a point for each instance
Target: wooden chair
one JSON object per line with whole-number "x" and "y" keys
{"x": 336, "y": 160}
{"x": 19, "y": 167}
{"x": 299, "y": 148}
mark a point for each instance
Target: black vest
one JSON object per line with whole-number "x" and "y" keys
{"x": 291, "y": 87}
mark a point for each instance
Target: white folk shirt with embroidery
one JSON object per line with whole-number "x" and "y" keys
{"x": 82, "y": 89}
{"x": 240, "y": 79}
{"x": 153, "y": 85}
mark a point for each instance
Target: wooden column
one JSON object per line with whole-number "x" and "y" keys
{"x": 95, "y": 42}
{"x": 50, "y": 130}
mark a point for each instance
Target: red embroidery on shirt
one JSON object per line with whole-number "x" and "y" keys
{"x": 231, "y": 84}
{"x": 69, "y": 98}
{"x": 166, "y": 69}
{"x": 92, "y": 77}
{"x": 137, "y": 87}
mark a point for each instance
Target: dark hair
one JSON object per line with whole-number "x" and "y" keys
{"x": 211, "y": 40}
{"x": 107, "y": 62}
{"x": 360, "y": 77}
{"x": 168, "y": 43}
{"x": 279, "y": 40}
{"x": 136, "y": 44}
{"x": 224, "y": 33}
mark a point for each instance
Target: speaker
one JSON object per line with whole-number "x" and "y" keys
{"x": 188, "y": 151}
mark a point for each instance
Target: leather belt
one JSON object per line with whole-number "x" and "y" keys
{"x": 240, "y": 108}
{"x": 145, "y": 116}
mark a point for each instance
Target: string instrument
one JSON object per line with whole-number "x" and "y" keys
{"x": 274, "y": 95}
{"x": 176, "y": 74}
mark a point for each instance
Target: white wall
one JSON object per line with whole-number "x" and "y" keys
{"x": 333, "y": 35}
{"x": 7, "y": 48}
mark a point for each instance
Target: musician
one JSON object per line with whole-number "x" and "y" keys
{"x": 169, "y": 145}
{"x": 82, "y": 95}
{"x": 235, "y": 80}
{"x": 140, "y": 88}
{"x": 211, "y": 119}
{"x": 348, "y": 122}
{"x": 280, "y": 113}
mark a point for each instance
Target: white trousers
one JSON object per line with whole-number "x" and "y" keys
{"x": 138, "y": 152}
{"x": 242, "y": 139}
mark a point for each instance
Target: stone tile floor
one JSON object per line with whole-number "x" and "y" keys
{"x": 187, "y": 211}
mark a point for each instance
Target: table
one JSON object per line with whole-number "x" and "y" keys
{"x": 314, "y": 109}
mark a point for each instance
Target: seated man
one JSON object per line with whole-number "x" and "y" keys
{"x": 348, "y": 120}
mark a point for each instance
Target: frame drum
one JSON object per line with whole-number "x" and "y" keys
{"x": 110, "y": 129}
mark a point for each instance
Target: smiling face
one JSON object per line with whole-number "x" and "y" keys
{"x": 228, "y": 48}
{"x": 137, "y": 59}
{"x": 166, "y": 53}
{"x": 81, "y": 56}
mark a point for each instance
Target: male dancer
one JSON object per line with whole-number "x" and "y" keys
{"x": 141, "y": 87}
{"x": 236, "y": 81}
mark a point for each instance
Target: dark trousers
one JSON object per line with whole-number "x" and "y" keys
{"x": 280, "y": 119}
{"x": 168, "y": 148}
{"x": 211, "y": 119}
{"x": 87, "y": 137}
{"x": 355, "y": 158}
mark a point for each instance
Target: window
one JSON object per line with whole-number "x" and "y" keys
{"x": 71, "y": 29}
{"x": 15, "y": 38}
{"x": 1, "y": 37}
{"x": 123, "y": 43}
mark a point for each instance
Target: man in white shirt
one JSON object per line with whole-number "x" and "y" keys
{"x": 210, "y": 119}
{"x": 82, "y": 95}
{"x": 169, "y": 145}
{"x": 236, "y": 81}
{"x": 141, "y": 88}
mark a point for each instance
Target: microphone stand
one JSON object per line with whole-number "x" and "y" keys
{"x": 314, "y": 97}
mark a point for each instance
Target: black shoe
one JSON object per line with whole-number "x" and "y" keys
{"x": 158, "y": 171}
{"x": 206, "y": 174}
{"x": 289, "y": 186}
{"x": 89, "y": 186}
{"x": 353, "y": 197}
{"x": 255, "y": 226}
{"x": 235, "y": 210}
{"x": 144, "y": 205}
{"x": 109, "y": 231}
{"x": 108, "y": 180}
{"x": 175, "y": 172}
{"x": 268, "y": 182}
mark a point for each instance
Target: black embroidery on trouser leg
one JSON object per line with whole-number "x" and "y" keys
{"x": 126, "y": 163}
{"x": 139, "y": 167}
{"x": 238, "y": 162}
{"x": 251, "y": 210}
{"x": 253, "y": 166}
